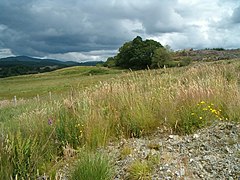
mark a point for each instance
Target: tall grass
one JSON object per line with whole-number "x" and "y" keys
{"x": 133, "y": 105}
{"x": 145, "y": 100}
{"x": 92, "y": 166}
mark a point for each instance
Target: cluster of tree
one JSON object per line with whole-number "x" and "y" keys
{"x": 139, "y": 54}
{"x": 215, "y": 49}
{"x": 22, "y": 70}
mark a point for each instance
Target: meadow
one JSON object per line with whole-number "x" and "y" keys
{"x": 57, "y": 82}
{"x": 38, "y": 137}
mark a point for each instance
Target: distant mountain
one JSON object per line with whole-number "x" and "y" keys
{"x": 29, "y": 61}
{"x": 20, "y": 65}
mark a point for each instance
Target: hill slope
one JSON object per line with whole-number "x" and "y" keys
{"x": 57, "y": 81}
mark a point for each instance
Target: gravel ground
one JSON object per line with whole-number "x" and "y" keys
{"x": 210, "y": 153}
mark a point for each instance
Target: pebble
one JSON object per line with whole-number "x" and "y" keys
{"x": 209, "y": 153}
{"x": 196, "y": 136}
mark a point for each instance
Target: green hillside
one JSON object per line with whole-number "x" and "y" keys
{"x": 57, "y": 82}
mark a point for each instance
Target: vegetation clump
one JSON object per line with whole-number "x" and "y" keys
{"x": 139, "y": 54}
{"x": 92, "y": 166}
{"x": 139, "y": 170}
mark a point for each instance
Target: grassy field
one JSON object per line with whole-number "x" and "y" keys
{"x": 45, "y": 134}
{"x": 57, "y": 82}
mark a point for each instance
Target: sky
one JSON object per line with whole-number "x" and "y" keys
{"x": 88, "y": 30}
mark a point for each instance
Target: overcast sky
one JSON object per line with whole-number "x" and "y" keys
{"x": 82, "y": 30}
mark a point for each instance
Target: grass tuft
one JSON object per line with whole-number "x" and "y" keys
{"x": 139, "y": 170}
{"x": 92, "y": 166}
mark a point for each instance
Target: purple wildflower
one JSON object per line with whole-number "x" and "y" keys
{"x": 50, "y": 121}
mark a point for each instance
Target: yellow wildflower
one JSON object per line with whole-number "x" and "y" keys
{"x": 200, "y": 117}
{"x": 214, "y": 111}
{"x": 202, "y": 102}
{"x": 77, "y": 125}
{"x": 192, "y": 114}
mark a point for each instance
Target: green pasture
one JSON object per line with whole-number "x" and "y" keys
{"x": 56, "y": 82}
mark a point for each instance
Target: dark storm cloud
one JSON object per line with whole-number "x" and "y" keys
{"x": 63, "y": 26}
{"x": 37, "y": 27}
{"x": 75, "y": 28}
{"x": 236, "y": 15}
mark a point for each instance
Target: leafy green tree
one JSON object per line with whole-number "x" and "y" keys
{"x": 136, "y": 54}
{"x": 161, "y": 57}
{"x": 110, "y": 62}
{"x": 139, "y": 54}
{"x": 168, "y": 48}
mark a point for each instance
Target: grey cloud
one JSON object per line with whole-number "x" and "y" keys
{"x": 236, "y": 15}
{"x": 5, "y": 53}
{"x": 100, "y": 55}
{"x": 60, "y": 28}
{"x": 82, "y": 25}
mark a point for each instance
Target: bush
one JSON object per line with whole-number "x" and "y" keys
{"x": 160, "y": 58}
{"x": 98, "y": 71}
{"x": 109, "y": 63}
{"x": 185, "y": 61}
